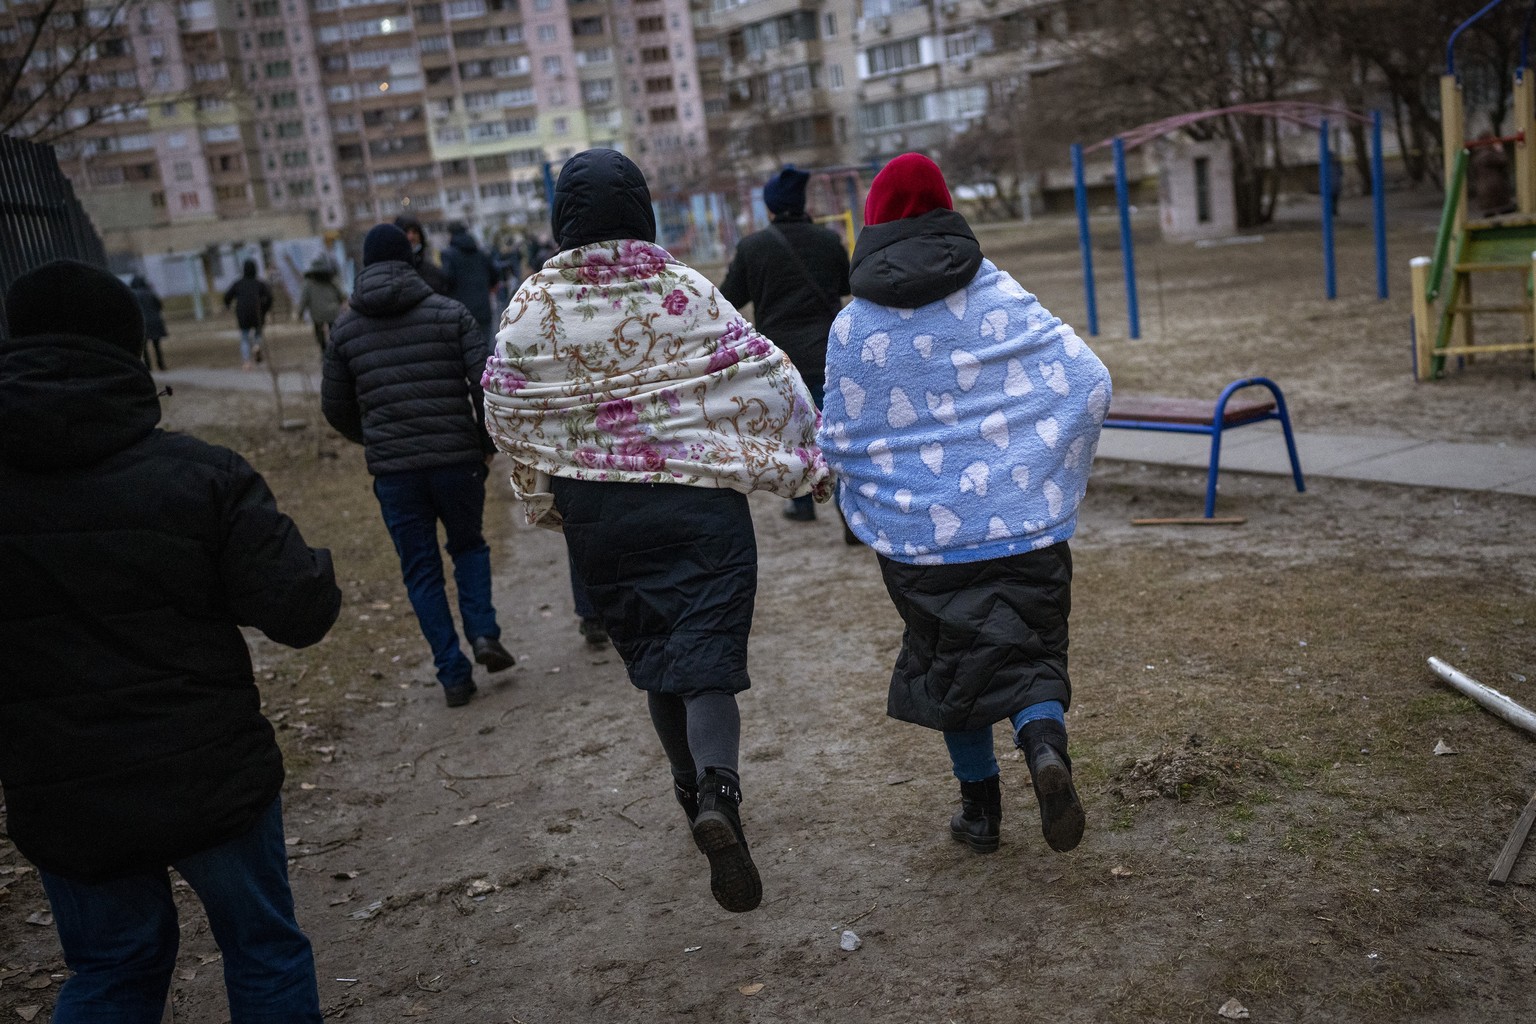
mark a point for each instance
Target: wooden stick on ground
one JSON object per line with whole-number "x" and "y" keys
{"x": 1192, "y": 521}
{"x": 1507, "y": 856}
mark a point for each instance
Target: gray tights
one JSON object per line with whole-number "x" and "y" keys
{"x": 698, "y": 732}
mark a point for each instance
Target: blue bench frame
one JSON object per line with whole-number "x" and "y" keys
{"x": 1215, "y": 424}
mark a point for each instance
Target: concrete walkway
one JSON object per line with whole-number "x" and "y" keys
{"x": 1505, "y": 468}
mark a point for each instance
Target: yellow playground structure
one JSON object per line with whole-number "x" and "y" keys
{"x": 1496, "y": 248}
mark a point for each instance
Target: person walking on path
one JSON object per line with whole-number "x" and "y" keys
{"x": 618, "y": 387}
{"x": 961, "y": 421}
{"x": 472, "y": 277}
{"x": 131, "y": 735}
{"x": 154, "y": 319}
{"x": 252, "y": 300}
{"x": 422, "y": 257}
{"x": 402, "y": 378}
{"x": 793, "y": 273}
{"x": 321, "y": 298}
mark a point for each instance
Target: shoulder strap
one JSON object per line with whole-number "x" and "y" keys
{"x": 833, "y": 306}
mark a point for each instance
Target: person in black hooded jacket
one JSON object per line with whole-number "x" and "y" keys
{"x": 131, "y": 735}
{"x": 421, "y": 255}
{"x": 402, "y": 378}
{"x": 472, "y": 277}
{"x": 252, "y": 300}
{"x": 794, "y": 273}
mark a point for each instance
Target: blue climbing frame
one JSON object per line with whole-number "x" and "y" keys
{"x": 1218, "y": 423}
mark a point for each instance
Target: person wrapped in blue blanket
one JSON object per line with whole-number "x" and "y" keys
{"x": 961, "y": 420}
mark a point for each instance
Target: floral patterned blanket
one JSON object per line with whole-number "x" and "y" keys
{"x": 617, "y": 362}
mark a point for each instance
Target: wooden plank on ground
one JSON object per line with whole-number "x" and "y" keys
{"x": 1192, "y": 521}
{"x": 1511, "y": 852}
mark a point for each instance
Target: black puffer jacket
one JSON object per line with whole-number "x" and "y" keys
{"x": 402, "y": 374}
{"x": 470, "y": 274}
{"x": 914, "y": 261}
{"x": 787, "y": 308}
{"x": 130, "y": 726}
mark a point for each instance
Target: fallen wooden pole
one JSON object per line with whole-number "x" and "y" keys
{"x": 1507, "y": 709}
{"x": 1511, "y": 852}
{"x": 1192, "y": 521}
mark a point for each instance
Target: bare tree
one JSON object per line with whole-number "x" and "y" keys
{"x": 64, "y": 65}
{"x": 1158, "y": 59}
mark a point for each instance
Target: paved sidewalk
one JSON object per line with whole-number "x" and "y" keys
{"x": 1260, "y": 448}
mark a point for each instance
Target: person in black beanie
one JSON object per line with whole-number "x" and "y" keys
{"x": 402, "y": 378}
{"x": 131, "y": 735}
{"x": 794, "y": 273}
{"x": 422, "y": 257}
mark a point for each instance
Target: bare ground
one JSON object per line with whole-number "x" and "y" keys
{"x": 1253, "y": 728}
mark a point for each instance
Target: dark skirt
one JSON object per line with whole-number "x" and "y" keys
{"x": 672, "y": 571}
{"x": 983, "y": 639}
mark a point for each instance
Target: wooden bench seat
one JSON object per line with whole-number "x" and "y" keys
{"x": 1197, "y": 416}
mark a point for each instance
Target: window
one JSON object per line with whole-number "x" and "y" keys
{"x": 228, "y": 193}
{"x": 279, "y": 69}
{"x": 264, "y": 9}
{"x": 653, "y": 54}
{"x": 663, "y": 115}
{"x": 650, "y": 24}
{"x": 460, "y": 9}
{"x": 891, "y": 113}
{"x": 597, "y": 55}
{"x": 222, "y": 133}
{"x": 836, "y": 75}
{"x": 829, "y": 25}
{"x": 434, "y": 44}
{"x": 1203, "y": 189}
{"x": 181, "y": 170}
{"x": 655, "y": 85}
{"x": 267, "y": 40}
{"x": 290, "y": 129}
{"x": 296, "y": 158}
{"x": 190, "y": 201}
{"x": 553, "y": 66}
{"x": 960, "y": 46}
{"x": 597, "y": 91}
{"x": 284, "y": 100}
{"x": 893, "y": 56}
{"x": 587, "y": 27}
{"x": 547, "y": 33}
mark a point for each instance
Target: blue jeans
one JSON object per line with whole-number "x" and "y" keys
{"x": 413, "y": 503}
{"x": 250, "y": 341}
{"x": 971, "y": 751}
{"x": 120, "y": 937}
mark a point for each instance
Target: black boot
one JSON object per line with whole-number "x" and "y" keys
{"x": 979, "y": 821}
{"x": 1044, "y": 743}
{"x": 733, "y": 877}
{"x": 687, "y": 794}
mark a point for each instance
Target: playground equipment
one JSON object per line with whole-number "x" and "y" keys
{"x": 1492, "y": 248}
{"x": 1314, "y": 115}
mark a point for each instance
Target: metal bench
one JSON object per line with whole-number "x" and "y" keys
{"x": 1195, "y": 416}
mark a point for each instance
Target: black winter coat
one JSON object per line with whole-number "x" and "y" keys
{"x": 131, "y": 733}
{"x": 402, "y": 374}
{"x": 251, "y": 298}
{"x": 151, "y": 307}
{"x": 470, "y": 274}
{"x": 983, "y": 639}
{"x": 787, "y": 308}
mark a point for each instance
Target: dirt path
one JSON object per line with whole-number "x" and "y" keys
{"x": 1253, "y": 729}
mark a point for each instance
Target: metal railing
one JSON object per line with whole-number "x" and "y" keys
{"x": 40, "y": 217}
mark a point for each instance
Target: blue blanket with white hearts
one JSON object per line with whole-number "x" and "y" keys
{"x": 962, "y": 430}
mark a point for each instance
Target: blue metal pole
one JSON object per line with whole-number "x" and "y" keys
{"x": 1084, "y": 241}
{"x": 1127, "y": 246}
{"x": 1325, "y": 189}
{"x": 1379, "y": 205}
{"x": 549, "y": 186}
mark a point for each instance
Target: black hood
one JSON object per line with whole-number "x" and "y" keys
{"x": 914, "y": 261}
{"x": 463, "y": 240}
{"x": 68, "y": 401}
{"x": 388, "y": 288}
{"x": 601, "y": 197}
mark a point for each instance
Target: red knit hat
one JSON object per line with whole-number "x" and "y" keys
{"x": 908, "y": 186}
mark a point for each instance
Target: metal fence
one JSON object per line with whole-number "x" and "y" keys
{"x": 40, "y": 218}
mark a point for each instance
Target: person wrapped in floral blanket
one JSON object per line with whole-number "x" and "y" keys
{"x": 639, "y": 409}
{"x": 961, "y": 419}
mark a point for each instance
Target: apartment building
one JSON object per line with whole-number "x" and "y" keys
{"x": 825, "y": 83}
{"x": 206, "y": 120}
